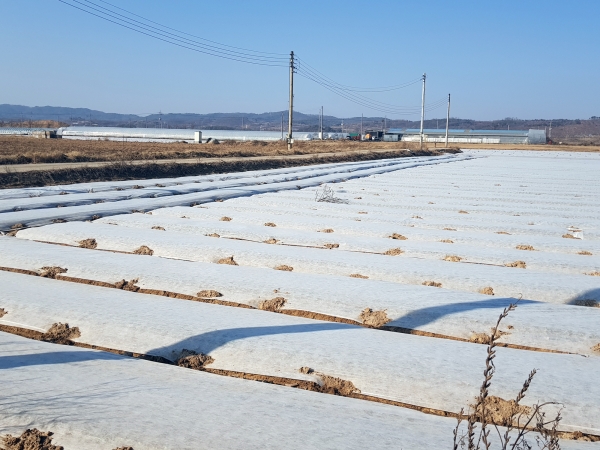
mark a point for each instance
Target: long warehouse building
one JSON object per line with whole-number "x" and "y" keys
{"x": 468, "y": 136}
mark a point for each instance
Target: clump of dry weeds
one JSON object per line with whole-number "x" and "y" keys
{"x": 519, "y": 264}
{"x": 374, "y": 318}
{"x": 51, "y": 271}
{"x": 584, "y": 252}
{"x": 450, "y": 229}
{"x": 144, "y": 250}
{"x": 326, "y": 230}
{"x": 225, "y": 219}
{"x": 502, "y": 232}
{"x": 488, "y": 290}
{"x": 337, "y": 386}
{"x": 432, "y": 284}
{"x": 156, "y": 227}
{"x": 525, "y": 247}
{"x": 453, "y": 258}
{"x": 596, "y": 348}
{"x": 358, "y": 275}
{"x": 192, "y": 360}
{"x": 61, "y": 333}
{"x": 330, "y": 246}
{"x": 30, "y": 439}
{"x": 229, "y": 260}
{"x": 271, "y": 241}
{"x": 270, "y": 224}
{"x": 88, "y": 243}
{"x": 393, "y": 252}
{"x": 447, "y": 241}
{"x": 275, "y": 304}
{"x": 209, "y": 293}
{"x": 594, "y": 274}
{"x": 398, "y": 237}
{"x": 214, "y": 235}
{"x": 284, "y": 267}
{"x": 128, "y": 285}
{"x": 462, "y": 211}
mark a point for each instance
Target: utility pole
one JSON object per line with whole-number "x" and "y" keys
{"x": 282, "y": 126}
{"x": 550, "y": 131}
{"x": 361, "y": 125}
{"x": 422, "y": 110}
{"x": 290, "y": 139}
{"x": 447, "y": 120}
{"x": 321, "y": 124}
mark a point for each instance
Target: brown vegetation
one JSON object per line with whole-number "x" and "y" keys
{"x": 225, "y": 219}
{"x": 584, "y": 252}
{"x": 271, "y": 241}
{"x": 270, "y": 224}
{"x": 502, "y": 232}
{"x": 447, "y": 241}
{"x": 594, "y": 274}
{"x": 453, "y": 258}
{"x": 569, "y": 236}
{"x": 326, "y": 230}
{"x": 330, "y": 246}
{"x": 128, "y": 285}
{"x": 51, "y": 271}
{"x": 158, "y": 228}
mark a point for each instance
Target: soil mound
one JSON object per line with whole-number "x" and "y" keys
{"x": 61, "y": 333}
{"x": 447, "y": 241}
{"x": 488, "y": 290}
{"x": 31, "y": 439}
{"x": 144, "y": 250}
{"x": 229, "y": 260}
{"x": 51, "y": 271}
{"x": 398, "y": 237}
{"x": 88, "y": 243}
{"x": 569, "y": 236}
{"x": 585, "y": 302}
{"x": 306, "y": 370}
{"x": 326, "y": 230}
{"x": 209, "y": 293}
{"x": 270, "y": 224}
{"x": 275, "y": 304}
{"x": 128, "y": 285}
{"x": 192, "y": 360}
{"x": 500, "y": 411}
{"x": 284, "y": 268}
{"x": 432, "y": 283}
{"x": 358, "y": 275}
{"x": 393, "y": 252}
{"x": 225, "y": 219}
{"x": 330, "y": 246}
{"x": 271, "y": 241}
{"x": 337, "y": 386}
{"x": 519, "y": 264}
{"x": 161, "y": 229}
{"x": 525, "y": 247}
{"x": 483, "y": 338}
{"x": 3, "y": 312}
{"x": 452, "y": 258}
{"x": 213, "y": 235}
{"x": 374, "y": 318}
{"x": 584, "y": 252}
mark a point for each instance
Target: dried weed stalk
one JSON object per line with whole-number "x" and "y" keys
{"x": 518, "y": 420}
{"x": 327, "y": 195}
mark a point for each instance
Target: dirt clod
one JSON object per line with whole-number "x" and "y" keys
{"x": 158, "y": 228}
{"x": 587, "y": 302}
{"x": 519, "y": 264}
{"x": 271, "y": 241}
{"x": 432, "y": 284}
{"x": 393, "y": 252}
{"x": 31, "y": 439}
{"x": 500, "y": 411}
{"x": 453, "y": 258}
{"x": 209, "y": 293}
{"x": 88, "y": 243}
{"x": 326, "y": 230}
{"x": 306, "y": 370}
{"x": 398, "y": 236}
{"x": 525, "y": 247}
{"x": 488, "y": 290}
{"x": 61, "y": 333}
{"x": 225, "y": 219}
{"x": 330, "y": 246}
{"x": 213, "y": 235}
{"x": 284, "y": 268}
{"x": 502, "y": 232}
{"x": 144, "y": 250}
{"x": 358, "y": 275}
{"x": 584, "y": 252}
{"x": 569, "y": 236}
{"x": 337, "y": 386}
{"x": 192, "y": 360}
{"x": 229, "y": 260}
{"x": 447, "y": 241}
{"x": 275, "y": 304}
{"x": 374, "y": 318}
{"x": 270, "y": 224}
{"x": 128, "y": 285}
{"x": 51, "y": 271}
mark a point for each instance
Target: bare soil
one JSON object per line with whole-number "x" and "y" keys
{"x": 500, "y": 411}
{"x": 144, "y": 250}
{"x": 393, "y": 252}
{"x": 398, "y": 236}
{"x": 88, "y": 243}
{"x": 374, "y": 318}
{"x": 192, "y": 360}
{"x": 127, "y": 285}
{"x": 61, "y": 333}
{"x": 209, "y": 293}
{"x": 519, "y": 264}
{"x": 275, "y": 304}
{"x": 488, "y": 290}
{"x": 51, "y": 272}
{"x": 453, "y": 258}
{"x": 284, "y": 268}
{"x": 229, "y": 260}
{"x": 31, "y": 439}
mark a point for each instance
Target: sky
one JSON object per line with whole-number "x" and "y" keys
{"x": 529, "y": 59}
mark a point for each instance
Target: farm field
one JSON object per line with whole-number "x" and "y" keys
{"x": 344, "y": 305}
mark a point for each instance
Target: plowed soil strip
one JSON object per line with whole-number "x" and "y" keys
{"x": 289, "y": 312}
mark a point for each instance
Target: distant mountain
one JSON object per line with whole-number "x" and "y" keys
{"x": 15, "y": 114}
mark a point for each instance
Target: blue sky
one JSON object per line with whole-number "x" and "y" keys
{"x": 526, "y": 59}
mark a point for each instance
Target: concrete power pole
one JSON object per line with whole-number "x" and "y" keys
{"x": 422, "y": 110}
{"x": 290, "y": 139}
{"x": 282, "y": 126}
{"x": 447, "y": 120}
{"x": 361, "y": 126}
{"x": 321, "y": 124}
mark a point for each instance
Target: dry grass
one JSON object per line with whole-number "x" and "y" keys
{"x": 213, "y": 235}
{"x": 432, "y": 284}
{"x": 398, "y": 237}
{"x": 209, "y": 293}
{"x": 229, "y": 261}
{"x": 88, "y": 243}
{"x": 596, "y": 348}
{"x": 144, "y": 250}
{"x": 525, "y": 247}
{"x": 128, "y": 285}
{"x": 569, "y": 236}
{"x": 273, "y": 305}
{"x": 330, "y": 246}
{"x": 3, "y": 312}
{"x": 393, "y": 252}
{"x": 358, "y": 275}
{"x": 453, "y": 258}
{"x": 326, "y": 230}
{"x": 488, "y": 290}
{"x": 519, "y": 264}
{"x": 284, "y": 268}
{"x": 270, "y": 224}
{"x": 225, "y": 219}
{"x": 51, "y": 271}
{"x": 584, "y": 252}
